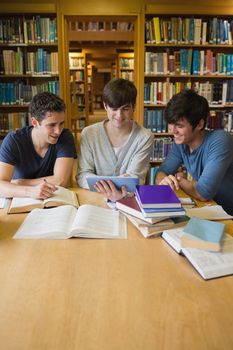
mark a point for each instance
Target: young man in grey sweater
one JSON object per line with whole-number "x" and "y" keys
{"x": 117, "y": 146}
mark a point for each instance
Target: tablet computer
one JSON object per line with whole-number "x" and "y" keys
{"x": 129, "y": 182}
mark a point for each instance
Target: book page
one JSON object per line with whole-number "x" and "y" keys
{"x": 212, "y": 264}
{"x": 187, "y": 202}
{"x": 173, "y": 237}
{"x": 4, "y": 202}
{"x": 18, "y": 202}
{"x": 63, "y": 196}
{"x": 93, "y": 221}
{"x": 52, "y": 223}
{"x": 209, "y": 212}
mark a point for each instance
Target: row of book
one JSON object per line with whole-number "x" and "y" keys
{"x": 189, "y": 62}
{"x": 77, "y": 75}
{"x": 11, "y": 121}
{"x": 217, "y": 119}
{"x": 28, "y": 30}
{"x": 79, "y": 124}
{"x": 18, "y": 93}
{"x": 128, "y": 75}
{"x": 76, "y": 62}
{"x": 38, "y": 62}
{"x": 216, "y": 93}
{"x": 220, "y": 120}
{"x": 78, "y": 25}
{"x": 161, "y": 148}
{"x": 160, "y": 92}
{"x": 154, "y": 120}
{"x": 126, "y": 62}
{"x": 192, "y": 30}
{"x": 80, "y": 100}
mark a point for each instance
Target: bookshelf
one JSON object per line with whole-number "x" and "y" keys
{"x": 99, "y": 37}
{"x": 78, "y": 91}
{"x": 114, "y": 70}
{"x": 126, "y": 65}
{"x": 28, "y": 63}
{"x": 90, "y": 88}
{"x": 98, "y": 101}
{"x": 100, "y": 29}
{"x": 187, "y": 51}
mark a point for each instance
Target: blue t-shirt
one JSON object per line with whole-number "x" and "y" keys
{"x": 210, "y": 164}
{"x": 17, "y": 149}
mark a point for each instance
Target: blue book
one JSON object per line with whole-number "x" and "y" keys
{"x": 196, "y": 62}
{"x": 203, "y": 234}
{"x": 165, "y": 212}
{"x": 145, "y": 118}
{"x": 191, "y": 31}
{"x": 157, "y": 196}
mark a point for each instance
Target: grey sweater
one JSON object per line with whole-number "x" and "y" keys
{"x": 97, "y": 156}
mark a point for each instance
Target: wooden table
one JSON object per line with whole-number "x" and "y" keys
{"x": 104, "y": 294}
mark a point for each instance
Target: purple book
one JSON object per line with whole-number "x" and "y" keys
{"x": 157, "y": 196}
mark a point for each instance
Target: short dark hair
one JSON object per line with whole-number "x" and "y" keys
{"x": 189, "y": 105}
{"x": 45, "y": 102}
{"x": 119, "y": 92}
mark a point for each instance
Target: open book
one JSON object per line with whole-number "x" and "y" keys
{"x": 62, "y": 196}
{"x": 209, "y": 212}
{"x": 88, "y": 221}
{"x": 208, "y": 264}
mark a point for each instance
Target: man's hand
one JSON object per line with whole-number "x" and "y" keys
{"x": 170, "y": 180}
{"x": 110, "y": 190}
{"x": 42, "y": 191}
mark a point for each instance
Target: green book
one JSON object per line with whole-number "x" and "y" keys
{"x": 203, "y": 234}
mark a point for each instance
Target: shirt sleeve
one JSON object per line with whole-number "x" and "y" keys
{"x": 219, "y": 159}
{"x": 9, "y": 150}
{"x": 173, "y": 161}
{"x": 66, "y": 146}
{"x": 86, "y": 164}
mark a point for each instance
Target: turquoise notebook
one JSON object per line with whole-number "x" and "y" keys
{"x": 203, "y": 234}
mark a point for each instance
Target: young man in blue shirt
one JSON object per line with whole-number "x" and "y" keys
{"x": 207, "y": 155}
{"x": 36, "y": 158}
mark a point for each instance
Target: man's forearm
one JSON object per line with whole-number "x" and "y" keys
{"x": 33, "y": 182}
{"x": 9, "y": 189}
{"x": 189, "y": 187}
{"x": 159, "y": 177}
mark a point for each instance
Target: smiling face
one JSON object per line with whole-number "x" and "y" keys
{"x": 50, "y": 128}
{"x": 185, "y": 134}
{"x": 120, "y": 117}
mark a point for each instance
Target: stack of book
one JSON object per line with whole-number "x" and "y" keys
{"x": 153, "y": 209}
{"x": 158, "y": 201}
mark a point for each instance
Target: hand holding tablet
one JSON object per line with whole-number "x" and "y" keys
{"x": 129, "y": 182}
